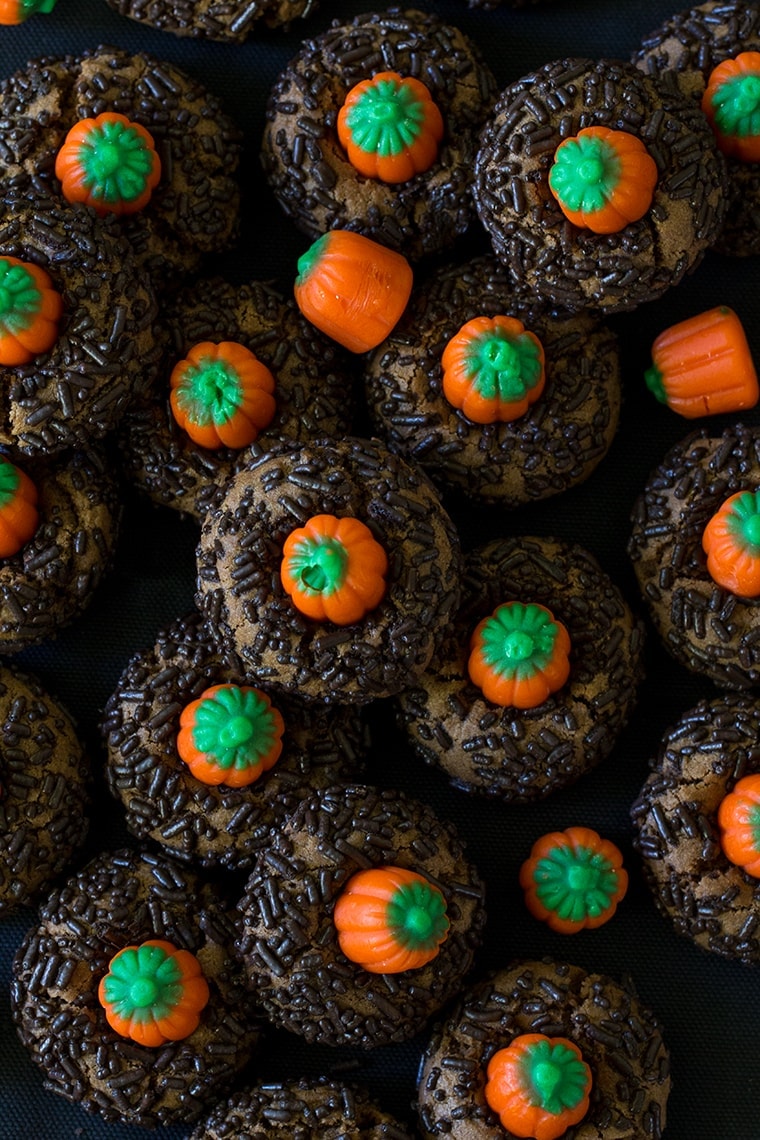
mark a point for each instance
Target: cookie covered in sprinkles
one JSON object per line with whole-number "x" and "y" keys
{"x": 130, "y": 941}
{"x": 491, "y": 741}
{"x": 522, "y": 406}
{"x": 214, "y": 20}
{"x": 379, "y": 61}
{"x": 220, "y": 824}
{"x": 560, "y": 162}
{"x": 559, "y": 1016}
{"x": 324, "y": 890}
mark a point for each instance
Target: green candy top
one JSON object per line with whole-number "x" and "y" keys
{"x": 744, "y": 522}
{"x": 387, "y": 118}
{"x": 116, "y": 162}
{"x": 575, "y": 883}
{"x": 143, "y": 983}
{"x": 553, "y": 1076}
{"x": 503, "y": 368}
{"x": 320, "y": 566}
{"x": 518, "y": 640}
{"x": 20, "y": 297}
{"x": 9, "y": 481}
{"x": 234, "y": 728}
{"x": 586, "y": 171}
{"x": 416, "y": 916}
{"x": 736, "y": 106}
{"x": 210, "y": 392}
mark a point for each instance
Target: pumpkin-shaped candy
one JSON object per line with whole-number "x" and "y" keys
{"x": 739, "y": 824}
{"x": 153, "y": 993}
{"x": 731, "y": 541}
{"x": 573, "y": 880}
{"x": 389, "y": 127}
{"x": 352, "y": 288}
{"x": 30, "y": 309}
{"x": 493, "y": 369}
{"x": 539, "y": 1086}
{"x": 17, "y": 11}
{"x": 703, "y": 366}
{"x": 19, "y": 518}
{"x": 230, "y": 735}
{"x": 390, "y": 919}
{"x": 731, "y": 102}
{"x": 110, "y": 163}
{"x": 334, "y": 569}
{"x": 222, "y": 395}
{"x": 603, "y": 179}
{"x": 519, "y": 655}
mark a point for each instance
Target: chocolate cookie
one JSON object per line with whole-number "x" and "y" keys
{"x": 521, "y": 754}
{"x": 619, "y": 1039}
{"x": 241, "y": 589}
{"x": 214, "y": 19}
{"x": 707, "y": 627}
{"x": 287, "y": 931}
{"x": 682, "y": 54}
{"x": 318, "y": 1109}
{"x": 105, "y": 346}
{"x": 193, "y": 209}
{"x": 312, "y": 389}
{"x": 50, "y": 580}
{"x": 44, "y": 788}
{"x": 118, "y": 900}
{"x": 309, "y": 170}
{"x": 707, "y": 897}
{"x": 547, "y": 447}
{"x": 564, "y": 263}
{"x": 213, "y": 825}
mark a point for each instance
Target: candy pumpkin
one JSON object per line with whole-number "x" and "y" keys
{"x": 493, "y": 369}
{"x": 539, "y": 1086}
{"x": 603, "y": 179}
{"x": 519, "y": 655}
{"x": 17, "y": 11}
{"x": 390, "y": 920}
{"x": 230, "y": 735}
{"x": 731, "y": 541}
{"x": 739, "y": 824}
{"x": 153, "y": 993}
{"x": 110, "y": 163}
{"x": 30, "y": 309}
{"x": 222, "y": 395}
{"x": 19, "y": 518}
{"x": 334, "y": 569}
{"x": 389, "y": 127}
{"x": 573, "y": 880}
{"x": 731, "y": 102}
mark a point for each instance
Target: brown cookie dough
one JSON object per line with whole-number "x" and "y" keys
{"x": 556, "y": 444}
{"x": 313, "y": 389}
{"x": 287, "y": 936}
{"x": 681, "y": 53}
{"x": 44, "y": 788}
{"x": 121, "y": 899}
{"x": 241, "y": 551}
{"x": 50, "y": 581}
{"x": 229, "y": 22}
{"x": 307, "y": 167}
{"x": 619, "y": 1038}
{"x": 194, "y": 208}
{"x": 706, "y": 628}
{"x": 109, "y": 340}
{"x": 212, "y": 825}
{"x": 308, "y": 1109}
{"x": 526, "y": 754}
{"x": 575, "y": 268}
{"x": 706, "y": 897}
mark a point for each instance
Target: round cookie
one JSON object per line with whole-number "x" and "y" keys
{"x": 241, "y": 550}
{"x": 307, "y": 1109}
{"x": 313, "y": 389}
{"x": 287, "y": 935}
{"x": 619, "y": 1038}
{"x": 121, "y": 899}
{"x": 212, "y": 825}
{"x": 552, "y": 446}
{"x": 520, "y": 755}
{"x": 572, "y": 267}
{"x": 306, "y": 166}
{"x": 108, "y": 342}
{"x": 708, "y": 629}
{"x": 681, "y": 53}
{"x": 194, "y": 208}
{"x": 44, "y": 789}
{"x": 50, "y": 581}
{"x": 214, "y": 19}
{"x": 706, "y": 897}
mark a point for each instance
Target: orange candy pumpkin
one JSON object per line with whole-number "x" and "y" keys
{"x": 539, "y": 1086}
{"x": 19, "y": 517}
{"x": 519, "y": 655}
{"x": 222, "y": 395}
{"x": 493, "y": 369}
{"x": 731, "y": 103}
{"x": 739, "y": 824}
{"x": 731, "y": 541}
{"x": 573, "y": 880}
{"x": 110, "y": 163}
{"x": 603, "y": 179}
{"x": 30, "y": 309}
{"x": 231, "y": 734}
{"x": 14, "y": 12}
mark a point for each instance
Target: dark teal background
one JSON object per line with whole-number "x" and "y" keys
{"x": 709, "y": 1007}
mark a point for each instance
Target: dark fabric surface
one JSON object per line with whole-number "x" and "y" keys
{"x": 709, "y": 1007}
